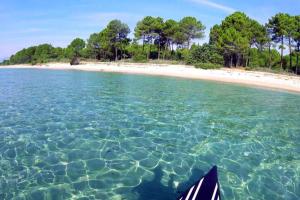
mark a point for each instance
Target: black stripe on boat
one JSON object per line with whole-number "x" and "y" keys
{"x": 207, "y": 188}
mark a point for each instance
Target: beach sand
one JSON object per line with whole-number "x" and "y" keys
{"x": 258, "y": 79}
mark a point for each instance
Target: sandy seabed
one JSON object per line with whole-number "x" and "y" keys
{"x": 261, "y": 79}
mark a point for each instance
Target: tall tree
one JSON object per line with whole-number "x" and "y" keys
{"x": 150, "y": 30}
{"x": 75, "y": 48}
{"x": 106, "y": 47}
{"x": 99, "y": 46}
{"x": 234, "y": 37}
{"x": 290, "y": 23}
{"x": 117, "y": 33}
{"x": 143, "y": 30}
{"x": 43, "y": 53}
{"x": 191, "y": 29}
{"x": 170, "y": 29}
{"x": 270, "y": 45}
{"x": 258, "y": 37}
{"x": 23, "y": 56}
{"x": 158, "y": 34}
{"x": 214, "y": 34}
{"x": 296, "y": 37}
{"x": 279, "y": 30}
{"x": 94, "y": 46}
{"x": 235, "y": 46}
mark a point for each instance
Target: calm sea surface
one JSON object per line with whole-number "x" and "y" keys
{"x": 89, "y": 135}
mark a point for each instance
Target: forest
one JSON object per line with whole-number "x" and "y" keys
{"x": 238, "y": 41}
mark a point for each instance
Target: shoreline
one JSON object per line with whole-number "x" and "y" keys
{"x": 251, "y": 78}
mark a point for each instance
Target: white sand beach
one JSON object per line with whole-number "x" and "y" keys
{"x": 260, "y": 79}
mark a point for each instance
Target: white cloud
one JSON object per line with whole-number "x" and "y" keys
{"x": 214, "y": 5}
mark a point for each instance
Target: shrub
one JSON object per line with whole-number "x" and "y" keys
{"x": 5, "y": 62}
{"x": 207, "y": 66}
{"x": 204, "y": 54}
{"x": 139, "y": 57}
{"x": 182, "y": 54}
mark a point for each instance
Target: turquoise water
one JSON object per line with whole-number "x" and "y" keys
{"x": 87, "y": 135}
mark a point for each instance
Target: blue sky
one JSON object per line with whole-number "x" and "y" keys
{"x": 29, "y": 22}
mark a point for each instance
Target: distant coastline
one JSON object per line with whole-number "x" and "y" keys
{"x": 239, "y": 76}
{"x": 238, "y": 41}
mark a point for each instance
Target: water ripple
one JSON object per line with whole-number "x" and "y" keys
{"x": 82, "y": 135}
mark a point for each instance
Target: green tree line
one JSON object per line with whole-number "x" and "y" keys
{"x": 238, "y": 41}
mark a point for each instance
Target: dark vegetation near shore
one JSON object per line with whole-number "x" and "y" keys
{"x": 238, "y": 41}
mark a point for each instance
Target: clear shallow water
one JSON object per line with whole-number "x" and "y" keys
{"x": 87, "y": 135}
